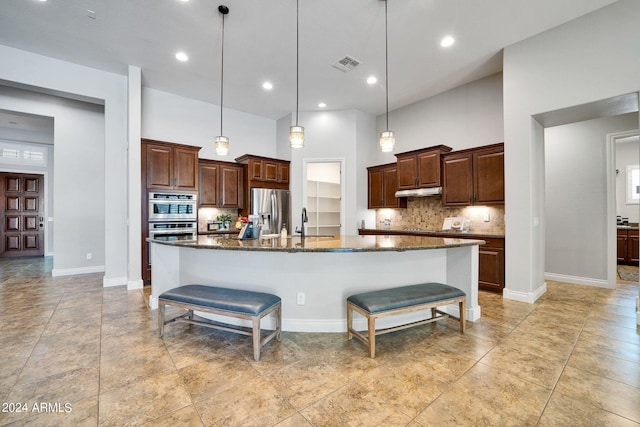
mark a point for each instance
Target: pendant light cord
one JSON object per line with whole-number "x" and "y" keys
{"x": 222, "y": 77}
{"x": 386, "y": 61}
{"x": 297, "y": 56}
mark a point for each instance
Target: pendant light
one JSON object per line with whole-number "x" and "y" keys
{"x": 222, "y": 142}
{"x": 387, "y": 139}
{"x": 296, "y": 133}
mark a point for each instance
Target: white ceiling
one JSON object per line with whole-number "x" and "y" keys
{"x": 260, "y": 45}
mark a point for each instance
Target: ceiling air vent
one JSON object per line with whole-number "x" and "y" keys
{"x": 346, "y": 64}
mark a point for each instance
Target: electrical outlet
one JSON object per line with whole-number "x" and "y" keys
{"x": 300, "y": 298}
{"x": 487, "y": 217}
{"x": 89, "y": 255}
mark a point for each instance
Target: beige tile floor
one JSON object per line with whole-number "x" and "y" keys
{"x": 572, "y": 358}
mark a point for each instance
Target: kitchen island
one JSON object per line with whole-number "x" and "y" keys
{"x": 315, "y": 275}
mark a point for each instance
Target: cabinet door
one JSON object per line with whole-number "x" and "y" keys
{"x": 488, "y": 177}
{"x": 208, "y": 192}
{"x": 632, "y": 246}
{"x": 622, "y": 246}
{"x": 376, "y": 194}
{"x": 283, "y": 173}
{"x": 428, "y": 169}
{"x": 231, "y": 193}
{"x": 390, "y": 186}
{"x": 185, "y": 169}
{"x": 159, "y": 166}
{"x": 255, "y": 170}
{"x": 457, "y": 188}
{"x": 407, "y": 170}
{"x": 270, "y": 170}
{"x": 491, "y": 268}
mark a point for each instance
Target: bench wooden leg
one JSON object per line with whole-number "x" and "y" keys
{"x": 256, "y": 338}
{"x": 279, "y": 323}
{"x": 161, "y": 308}
{"x": 371, "y": 320}
{"x": 349, "y": 321}
{"x": 463, "y": 312}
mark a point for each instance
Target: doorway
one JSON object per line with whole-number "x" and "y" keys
{"x": 578, "y": 189}
{"x": 22, "y": 215}
{"x": 323, "y": 196}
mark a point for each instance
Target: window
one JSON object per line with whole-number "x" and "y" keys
{"x": 25, "y": 154}
{"x": 633, "y": 184}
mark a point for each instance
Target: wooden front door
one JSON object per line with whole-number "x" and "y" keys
{"x": 22, "y": 215}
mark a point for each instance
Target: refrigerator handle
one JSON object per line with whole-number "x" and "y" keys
{"x": 274, "y": 213}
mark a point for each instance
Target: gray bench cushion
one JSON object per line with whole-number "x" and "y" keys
{"x": 404, "y": 296}
{"x": 232, "y": 300}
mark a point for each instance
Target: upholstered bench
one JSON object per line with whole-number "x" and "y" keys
{"x": 235, "y": 303}
{"x": 404, "y": 299}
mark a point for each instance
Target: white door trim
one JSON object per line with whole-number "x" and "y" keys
{"x": 612, "y": 248}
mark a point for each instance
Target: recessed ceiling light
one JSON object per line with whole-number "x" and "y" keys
{"x": 267, "y": 86}
{"x": 447, "y": 41}
{"x": 322, "y": 105}
{"x": 372, "y": 80}
{"x": 181, "y": 56}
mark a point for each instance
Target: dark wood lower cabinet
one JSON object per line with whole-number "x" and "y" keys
{"x": 491, "y": 265}
{"x": 628, "y": 247}
{"x": 490, "y": 257}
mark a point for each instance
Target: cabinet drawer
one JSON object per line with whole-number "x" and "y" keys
{"x": 493, "y": 242}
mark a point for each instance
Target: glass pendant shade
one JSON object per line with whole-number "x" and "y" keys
{"x": 387, "y": 141}
{"x": 222, "y": 145}
{"x": 296, "y": 137}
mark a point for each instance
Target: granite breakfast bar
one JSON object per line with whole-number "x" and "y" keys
{"x": 315, "y": 275}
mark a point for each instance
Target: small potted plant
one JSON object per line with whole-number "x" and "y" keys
{"x": 225, "y": 220}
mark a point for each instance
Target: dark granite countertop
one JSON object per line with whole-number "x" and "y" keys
{"x": 323, "y": 244}
{"x": 439, "y": 233}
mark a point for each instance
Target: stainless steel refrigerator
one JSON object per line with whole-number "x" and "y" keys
{"x": 273, "y": 209}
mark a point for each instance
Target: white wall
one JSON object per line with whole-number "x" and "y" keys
{"x": 591, "y": 58}
{"x": 576, "y": 202}
{"x": 173, "y": 118}
{"x": 627, "y": 153}
{"x": 74, "y": 228}
{"x": 467, "y": 116}
{"x": 329, "y": 135}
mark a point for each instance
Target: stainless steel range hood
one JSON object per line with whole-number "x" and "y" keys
{"x": 420, "y": 192}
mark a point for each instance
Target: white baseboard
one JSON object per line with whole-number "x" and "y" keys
{"x": 529, "y": 297}
{"x": 114, "y": 281}
{"x": 57, "y": 272}
{"x": 135, "y": 284}
{"x": 577, "y": 280}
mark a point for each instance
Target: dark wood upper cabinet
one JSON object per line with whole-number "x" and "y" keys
{"x": 420, "y": 168}
{"x": 264, "y": 170}
{"x": 185, "y": 166}
{"x": 170, "y": 166}
{"x": 488, "y": 176}
{"x": 382, "y": 187}
{"x": 474, "y": 176}
{"x": 221, "y": 184}
{"x": 208, "y": 176}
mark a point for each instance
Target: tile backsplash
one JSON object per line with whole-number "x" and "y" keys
{"x": 209, "y": 214}
{"x": 427, "y": 213}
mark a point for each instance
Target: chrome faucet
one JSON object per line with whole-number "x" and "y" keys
{"x": 304, "y": 219}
